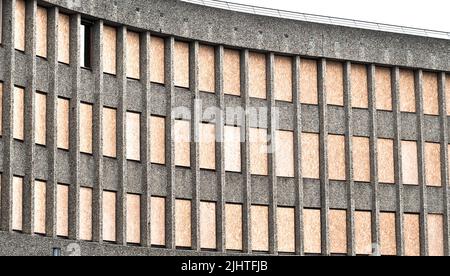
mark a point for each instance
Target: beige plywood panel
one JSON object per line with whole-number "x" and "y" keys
{"x": 386, "y": 161}
{"x": 360, "y": 94}
{"x": 40, "y": 119}
{"x": 1, "y": 108}
{"x": 85, "y": 214}
{"x": 109, "y": 132}
{"x": 447, "y": 92}
{"x": 310, "y": 155}
{"x": 62, "y": 211}
{"x": 206, "y": 59}
{"x": 433, "y": 164}
{"x": 158, "y": 221}
{"x": 207, "y": 146}
{"x": 233, "y": 226}
{"x": 284, "y": 142}
{"x": 407, "y": 91}
{"x": 158, "y": 140}
{"x": 338, "y": 231}
{"x": 86, "y": 128}
{"x": 232, "y": 72}
{"x": 39, "y": 207}
{"x": 308, "y": 82}
{"x": 208, "y": 225}
{"x": 19, "y": 35}
{"x": 435, "y": 235}
{"x": 335, "y": 83}
{"x": 258, "y": 151}
{"x": 260, "y": 228}
{"x": 157, "y": 65}
{"x": 383, "y": 88}
{"x": 133, "y": 219}
{"x": 361, "y": 159}
{"x": 410, "y": 166}
{"x": 17, "y": 203}
{"x": 181, "y": 64}
{"x": 109, "y": 216}
{"x": 286, "y": 229}
{"x": 388, "y": 241}
{"x": 283, "y": 79}
{"x": 183, "y": 224}
{"x": 312, "y": 231}
{"x": 363, "y": 233}
{"x": 133, "y": 136}
{"x": 109, "y": 50}
{"x": 430, "y": 94}
{"x": 41, "y": 32}
{"x": 336, "y": 157}
{"x": 18, "y": 114}
{"x": 257, "y": 76}
{"x": 133, "y": 54}
{"x": 411, "y": 232}
{"x": 64, "y": 38}
{"x": 62, "y": 123}
{"x": 232, "y": 147}
{"x": 182, "y": 143}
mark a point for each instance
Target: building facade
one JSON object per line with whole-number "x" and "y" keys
{"x": 159, "y": 127}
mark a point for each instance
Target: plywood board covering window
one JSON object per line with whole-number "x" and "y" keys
{"x": 17, "y": 203}
{"x": 257, "y": 75}
{"x": 85, "y": 214}
{"x": 232, "y": 145}
{"x": 338, "y": 231}
{"x": 41, "y": 32}
{"x": 363, "y": 233}
{"x": 258, "y": 151}
{"x": 386, "y": 161}
{"x": 181, "y": 66}
{"x": 158, "y": 221}
{"x": 360, "y": 94}
{"x": 109, "y": 50}
{"x": 430, "y": 94}
{"x": 183, "y": 224}
{"x": 233, "y": 226}
{"x": 109, "y": 216}
{"x": 109, "y": 132}
{"x": 232, "y": 72}
{"x": 40, "y": 118}
{"x": 133, "y": 136}
{"x": 284, "y": 142}
{"x": 411, "y": 232}
{"x": 308, "y": 82}
{"x": 433, "y": 164}
{"x": 133, "y": 219}
{"x": 133, "y": 54}
{"x": 407, "y": 91}
{"x": 1, "y": 108}
{"x": 206, "y": 68}
{"x": 283, "y": 79}
{"x": 435, "y": 235}
{"x": 157, "y": 55}
{"x": 63, "y": 123}
{"x": 158, "y": 140}
{"x": 286, "y": 229}
{"x": 208, "y": 225}
{"x": 336, "y": 157}
{"x": 86, "y": 128}
{"x": 361, "y": 159}
{"x": 388, "y": 241}
{"x": 207, "y": 146}
{"x": 312, "y": 231}
{"x": 447, "y": 92}
{"x": 310, "y": 155}
{"x": 39, "y": 207}
{"x": 260, "y": 228}
{"x": 63, "y": 38}
{"x": 182, "y": 143}
{"x": 18, "y": 114}
{"x": 19, "y": 41}
{"x": 62, "y": 211}
{"x": 383, "y": 88}
{"x": 410, "y": 163}
{"x": 335, "y": 83}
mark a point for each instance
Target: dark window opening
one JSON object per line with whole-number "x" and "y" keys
{"x": 85, "y": 44}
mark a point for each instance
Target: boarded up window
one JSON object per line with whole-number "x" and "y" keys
{"x": 283, "y": 78}
{"x": 133, "y": 219}
{"x": 182, "y": 143}
{"x": 360, "y": 94}
{"x": 285, "y": 153}
{"x": 361, "y": 159}
{"x": 411, "y": 231}
{"x": 62, "y": 211}
{"x": 183, "y": 223}
{"x": 157, "y": 65}
{"x": 260, "y": 228}
{"x": 336, "y": 157}
{"x": 433, "y": 164}
{"x": 338, "y": 231}
{"x": 207, "y": 146}
{"x": 40, "y": 118}
{"x": 447, "y": 93}
{"x": 232, "y": 72}
{"x": 232, "y": 146}
{"x": 407, "y": 91}
{"x": 18, "y": 114}
{"x": 109, "y": 216}
{"x": 208, "y": 225}
{"x": 363, "y": 233}
{"x": 133, "y": 53}
{"x": 158, "y": 221}
{"x": 158, "y": 140}
{"x": 286, "y": 229}
{"x": 181, "y": 66}
{"x": 386, "y": 161}
{"x": 430, "y": 94}
{"x": 133, "y": 136}
{"x": 109, "y": 132}
{"x": 206, "y": 69}
{"x": 20, "y": 25}
{"x": 86, "y": 128}
{"x": 435, "y": 235}
{"x": 17, "y": 203}
{"x": 258, "y": 151}
{"x": 41, "y": 32}
{"x": 308, "y": 82}
{"x": 383, "y": 88}
{"x": 312, "y": 231}
{"x": 39, "y": 206}
{"x": 109, "y": 49}
{"x": 63, "y": 38}
{"x": 233, "y": 226}
{"x": 86, "y": 214}
{"x": 388, "y": 240}
{"x": 410, "y": 166}
{"x": 1, "y": 108}
{"x": 310, "y": 156}
{"x": 335, "y": 83}
{"x": 63, "y": 123}
{"x": 257, "y": 75}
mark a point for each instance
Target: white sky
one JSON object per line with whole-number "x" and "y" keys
{"x": 430, "y": 14}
